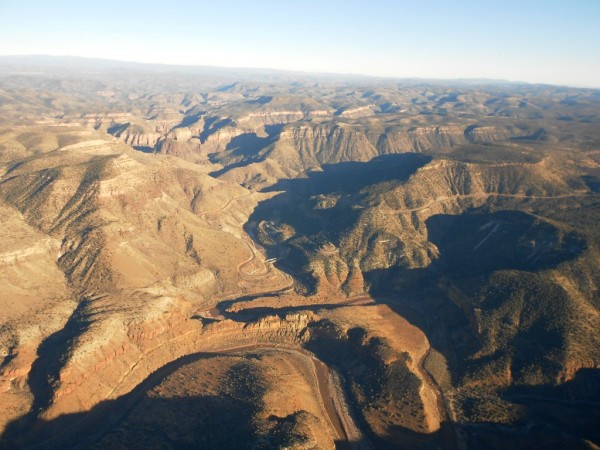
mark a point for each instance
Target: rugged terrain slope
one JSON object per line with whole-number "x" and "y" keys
{"x": 313, "y": 262}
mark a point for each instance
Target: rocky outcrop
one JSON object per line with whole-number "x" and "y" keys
{"x": 118, "y": 355}
{"x": 300, "y": 147}
{"x": 217, "y": 140}
{"x": 420, "y": 139}
{"x": 354, "y": 112}
{"x": 306, "y": 146}
{"x": 391, "y": 229}
{"x": 135, "y": 136}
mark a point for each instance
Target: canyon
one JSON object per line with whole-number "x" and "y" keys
{"x": 295, "y": 261}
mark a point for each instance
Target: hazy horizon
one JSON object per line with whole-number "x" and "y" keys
{"x": 536, "y": 42}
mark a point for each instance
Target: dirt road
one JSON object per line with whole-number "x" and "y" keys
{"x": 483, "y": 196}
{"x": 226, "y": 205}
{"x": 95, "y": 424}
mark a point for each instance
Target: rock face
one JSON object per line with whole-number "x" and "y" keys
{"x": 299, "y": 148}
{"x": 319, "y": 263}
{"x": 135, "y": 136}
{"x": 129, "y": 353}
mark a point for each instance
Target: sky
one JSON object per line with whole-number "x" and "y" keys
{"x": 548, "y": 41}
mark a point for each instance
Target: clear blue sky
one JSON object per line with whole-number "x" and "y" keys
{"x": 528, "y": 40}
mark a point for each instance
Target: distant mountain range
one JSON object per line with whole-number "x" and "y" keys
{"x": 18, "y": 63}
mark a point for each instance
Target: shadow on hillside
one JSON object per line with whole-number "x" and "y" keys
{"x": 212, "y": 125}
{"x": 244, "y": 150}
{"x": 204, "y": 421}
{"x": 488, "y": 263}
{"x": 573, "y": 406}
{"x": 480, "y": 243}
{"x": 51, "y": 357}
{"x": 474, "y": 245}
{"x": 592, "y": 182}
{"x": 351, "y": 177}
{"x": 144, "y": 149}
{"x": 262, "y": 100}
{"x": 295, "y": 205}
{"x": 181, "y": 422}
{"x": 190, "y": 120}
{"x": 557, "y": 416}
{"x": 137, "y": 421}
{"x": 400, "y": 437}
